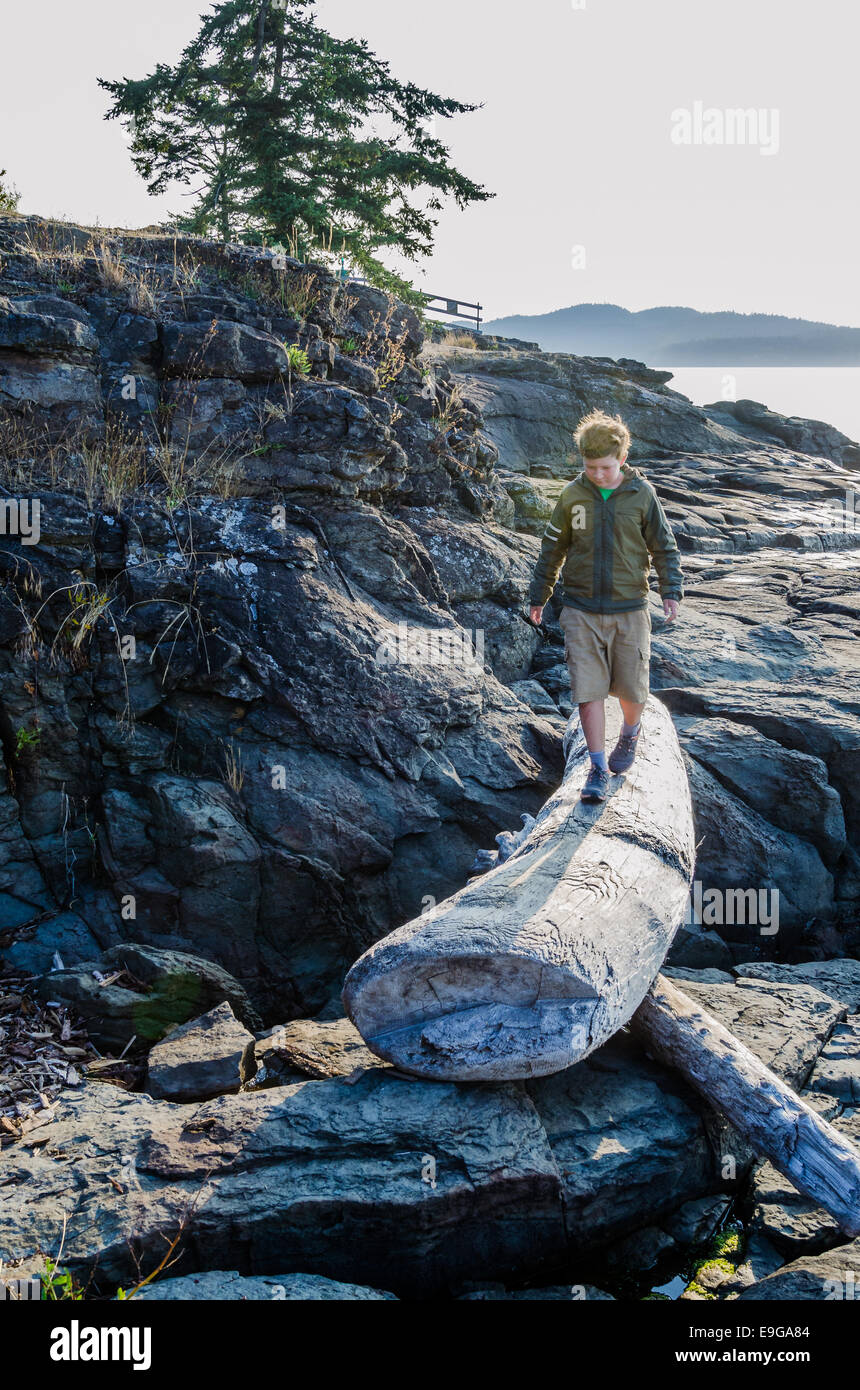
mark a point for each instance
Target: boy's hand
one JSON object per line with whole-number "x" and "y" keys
{"x": 670, "y": 608}
{"x": 536, "y": 613}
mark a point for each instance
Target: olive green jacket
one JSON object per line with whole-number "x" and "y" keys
{"x": 606, "y": 548}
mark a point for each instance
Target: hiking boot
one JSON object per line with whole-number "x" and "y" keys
{"x": 596, "y": 785}
{"x": 622, "y": 755}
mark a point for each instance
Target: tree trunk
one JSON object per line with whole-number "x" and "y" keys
{"x": 814, "y": 1156}
{"x": 535, "y": 964}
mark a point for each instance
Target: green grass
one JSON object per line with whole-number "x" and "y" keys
{"x": 26, "y": 740}
{"x": 59, "y": 1284}
{"x": 299, "y": 360}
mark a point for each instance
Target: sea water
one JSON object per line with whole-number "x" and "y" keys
{"x": 831, "y": 394}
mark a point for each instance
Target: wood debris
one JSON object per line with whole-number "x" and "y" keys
{"x": 43, "y": 1051}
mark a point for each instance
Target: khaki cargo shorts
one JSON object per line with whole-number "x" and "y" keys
{"x": 607, "y": 654}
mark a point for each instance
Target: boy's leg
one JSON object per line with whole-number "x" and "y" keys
{"x": 592, "y": 716}
{"x": 585, "y": 650}
{"x": 630, "y": 661}
{"x": 632, "y": 716}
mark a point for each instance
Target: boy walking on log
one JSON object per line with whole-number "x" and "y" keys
{"x": 607, "y": 527}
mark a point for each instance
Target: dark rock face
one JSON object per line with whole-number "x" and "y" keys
{"x": 786, "y": 787}
{"x": 807, "y": 436}
{"x": 352, "y": 1154}
{"x": 228, "y": 743}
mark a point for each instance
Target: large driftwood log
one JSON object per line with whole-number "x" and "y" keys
{"x": 814, "y": 1156}
{"x": 534, "y": 965}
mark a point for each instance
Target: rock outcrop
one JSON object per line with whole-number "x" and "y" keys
{"x": 278, "y": 1288}
{"x": 210, "y": 1056}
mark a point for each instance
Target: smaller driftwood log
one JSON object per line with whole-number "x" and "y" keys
{"x": 776, "y": 1122}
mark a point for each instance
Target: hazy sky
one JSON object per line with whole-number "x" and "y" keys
{"x": 575, "y": 138}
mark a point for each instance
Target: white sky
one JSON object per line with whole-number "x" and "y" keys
{"x": 574, "y": 138}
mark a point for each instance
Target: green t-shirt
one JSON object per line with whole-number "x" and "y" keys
{"x": 606, "y": 492}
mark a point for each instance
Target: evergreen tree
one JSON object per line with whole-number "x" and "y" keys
{"x": 276, "y": 117}
{"x": 9, "y": 195}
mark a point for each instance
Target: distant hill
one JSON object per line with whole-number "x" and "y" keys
{"x": 679, "y": 337}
